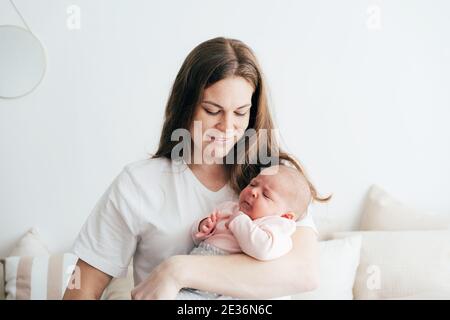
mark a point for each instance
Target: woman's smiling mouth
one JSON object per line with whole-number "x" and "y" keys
{"x": 220, "y": 139}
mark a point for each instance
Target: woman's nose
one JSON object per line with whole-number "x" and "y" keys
{"x": 254, "y": 193}
{"x": 226, "y": 123}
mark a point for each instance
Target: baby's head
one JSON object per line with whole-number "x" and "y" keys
{"x": 278, "y": 190}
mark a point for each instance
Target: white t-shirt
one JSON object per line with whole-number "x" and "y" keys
{"x": 146, "y": 214}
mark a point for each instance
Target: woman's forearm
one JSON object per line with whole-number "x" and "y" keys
{"x": 241, "y": 276}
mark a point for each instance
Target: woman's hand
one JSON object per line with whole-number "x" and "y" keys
{"x": 162, "y": 283}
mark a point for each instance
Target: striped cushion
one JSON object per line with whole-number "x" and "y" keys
{"x": 2, "y": 280}
{"x": 38, "y": 278}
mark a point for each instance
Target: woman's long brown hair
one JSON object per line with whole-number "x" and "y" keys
{"x": 208, "y": 63}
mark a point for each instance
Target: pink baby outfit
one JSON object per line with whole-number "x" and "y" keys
{"x": 264, "y": 239}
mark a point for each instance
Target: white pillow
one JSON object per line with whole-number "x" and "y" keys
{"x": 433, "y": 295}
{"x": 383, "y": 212}
{"x": 339, "y": 260}
{"x": 30, "y": 244}
{"x": 38, "y": 278}
{"x": 400, "y": 264}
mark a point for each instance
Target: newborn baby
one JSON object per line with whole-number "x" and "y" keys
{"x": 260, "y": 224}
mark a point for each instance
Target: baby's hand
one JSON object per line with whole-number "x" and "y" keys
{"x": 207, "y": 225}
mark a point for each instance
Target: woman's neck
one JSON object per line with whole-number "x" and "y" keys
{"x": 212, "y": 176}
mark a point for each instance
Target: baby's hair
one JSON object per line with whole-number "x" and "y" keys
{"x": 289, "y": 161}
{"x": 305, "y": 192}
{"x": 297, "y": 193}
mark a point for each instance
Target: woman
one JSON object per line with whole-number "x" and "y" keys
{"x": 147, "y": 212}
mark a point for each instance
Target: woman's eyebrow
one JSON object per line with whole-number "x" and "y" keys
{"x": 219, "y": 106}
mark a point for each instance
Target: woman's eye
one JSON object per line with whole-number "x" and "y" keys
{"x": 211, "y": 112}
{"x": 265, "y": 195}
{"x": 240, "y": 114}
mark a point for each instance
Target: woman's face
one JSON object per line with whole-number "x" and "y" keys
{"x": 221, "y": 118}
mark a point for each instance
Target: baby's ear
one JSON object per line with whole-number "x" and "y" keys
{"x": 289, "y": 215}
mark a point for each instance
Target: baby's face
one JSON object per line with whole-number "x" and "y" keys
{"x": 265, "y": 196}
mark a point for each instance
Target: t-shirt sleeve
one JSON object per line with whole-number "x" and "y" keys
{"x": 108, "y": 238}
{"x": 307, "y": 220}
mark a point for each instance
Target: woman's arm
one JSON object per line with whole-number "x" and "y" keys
{"x": 241, "y": 276}
{"x": 92, "y": 283}
{"x": 238, "y": 275}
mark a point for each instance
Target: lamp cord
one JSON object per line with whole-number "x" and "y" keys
{"x": 21, "y": 17}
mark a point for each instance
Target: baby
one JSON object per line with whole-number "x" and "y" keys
{"x": 260, "y": 224}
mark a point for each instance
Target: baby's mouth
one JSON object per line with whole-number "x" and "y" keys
{"x": 245, "y": 205}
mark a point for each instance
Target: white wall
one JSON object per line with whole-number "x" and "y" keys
{"x": 358, "y": 105}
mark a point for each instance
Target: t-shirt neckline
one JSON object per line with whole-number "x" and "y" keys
{"x": 200, "y": 185}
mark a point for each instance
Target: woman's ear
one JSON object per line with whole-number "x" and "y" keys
{"x": 289, "y": 215}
